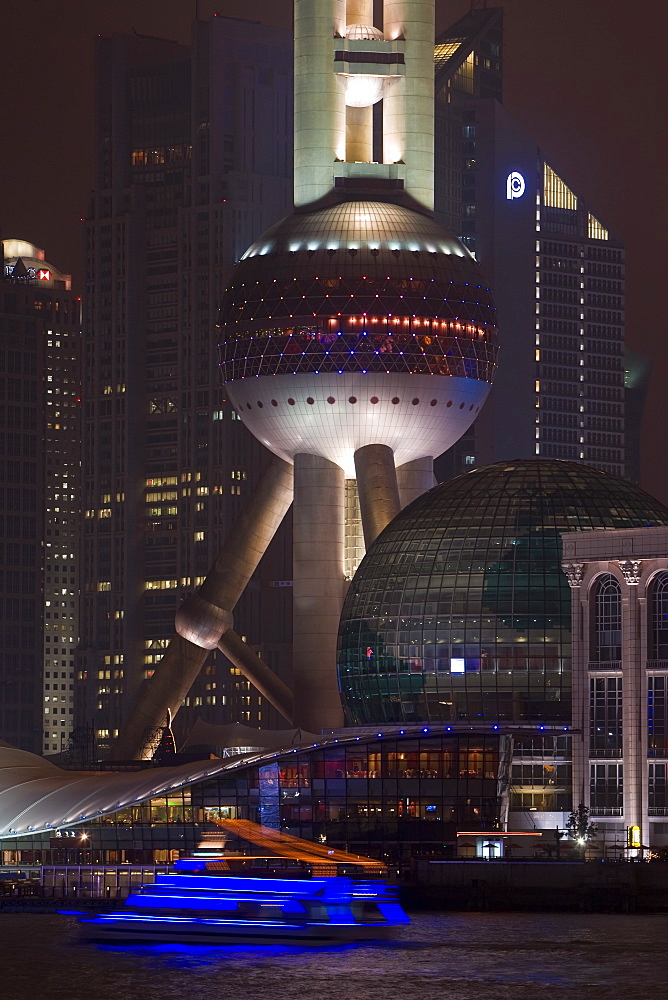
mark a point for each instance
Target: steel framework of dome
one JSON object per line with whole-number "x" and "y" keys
{"x": 460, "y": 610}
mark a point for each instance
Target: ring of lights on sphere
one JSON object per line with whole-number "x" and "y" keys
{"x": 360, "y": 323}
{"x": 460, "y": 611}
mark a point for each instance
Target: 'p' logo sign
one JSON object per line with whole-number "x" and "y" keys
{"x": 515, "y": 186}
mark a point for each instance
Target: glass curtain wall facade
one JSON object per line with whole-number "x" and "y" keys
{"x": 392, "y": 797}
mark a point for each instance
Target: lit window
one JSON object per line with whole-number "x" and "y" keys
{"x": 555, "y": 192}
{"x": 595, "y": 230}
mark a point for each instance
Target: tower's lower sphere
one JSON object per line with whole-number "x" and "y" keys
{"x": 360, "y": 323}
{"x": 333, "y": 415}
{"x": 460, "y": 610}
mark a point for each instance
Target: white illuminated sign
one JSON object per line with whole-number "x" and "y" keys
{"x": 30, "y": 273}
{"x": 456, "y": 666}
{"x": 515, "y": 186}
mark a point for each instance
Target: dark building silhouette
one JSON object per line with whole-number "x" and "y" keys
{"x": 637, "y": 371}
{"x": 557, "y": 270}
{"x": 193, "y": 159}
{"x": 40, "y": 404}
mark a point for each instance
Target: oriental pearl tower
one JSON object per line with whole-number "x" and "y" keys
{"x": 357, "y": 336}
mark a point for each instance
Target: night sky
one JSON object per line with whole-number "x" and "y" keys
{"x": 586, "y": 79}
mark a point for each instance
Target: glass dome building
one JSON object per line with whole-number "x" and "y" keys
{"x": 460, "y": 611}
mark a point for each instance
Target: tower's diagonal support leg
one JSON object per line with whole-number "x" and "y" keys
{"x": 415, "y": 478}
{"x": 205, "y": 616}
{"x": 377, "y": 489}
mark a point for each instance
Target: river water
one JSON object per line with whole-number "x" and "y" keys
{"x": 472, "y": 956}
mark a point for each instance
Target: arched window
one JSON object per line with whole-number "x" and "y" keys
{"x": 658, "y": 638}
{"x": 607, "y": 631}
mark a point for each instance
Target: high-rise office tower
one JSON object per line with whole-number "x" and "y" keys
{"x": 358, "y": 337}
{"x": 40, "y": 331}
{"x": 193, "y": 159}
{"x": 558, "y": 271}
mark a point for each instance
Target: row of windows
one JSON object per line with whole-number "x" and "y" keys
{"x": 607, "y": 622}
{"x": 607, "y": 789}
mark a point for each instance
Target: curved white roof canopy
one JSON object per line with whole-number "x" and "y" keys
{"x": 37, "y": 796}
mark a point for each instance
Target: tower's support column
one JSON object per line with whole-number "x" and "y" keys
{"x": 318, "y": 585}
{"x": 359, "y": 12}
{"x": 414, "y": 479}
{"x": 377, "y": 488}
{"x": 408, "y": 106}
{"x": 634, "y": 707}
{"x": 359, "y": 121}
{"x": 580, "y": 709}
{"x": 205, "y": 616}
{"x": 320, "y": 112}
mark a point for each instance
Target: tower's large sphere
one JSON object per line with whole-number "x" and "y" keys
{"x": 360, "y": 323}
{"x": 460, "y": 610}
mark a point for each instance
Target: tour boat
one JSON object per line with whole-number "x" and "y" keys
{"x": 307, "y": 894}
{"x": 210, "y": 906}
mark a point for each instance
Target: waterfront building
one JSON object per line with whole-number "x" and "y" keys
{"x": 193, "y": 159}
{"x": 619, "y": 587}
{"x": 40, "y": 399}
{"x": 460, "y": 613}
{"x": 391, "y": 795}
{"x": 557, "y": 271}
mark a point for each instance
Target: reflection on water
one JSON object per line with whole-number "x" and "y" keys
{"x": 439, "y": 957}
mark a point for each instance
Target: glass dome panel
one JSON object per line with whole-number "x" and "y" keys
{"x": 460, "y": 610}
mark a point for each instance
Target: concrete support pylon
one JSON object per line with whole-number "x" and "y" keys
{"x": 359, "y": 121}
{"x": 377, "y": 488}
{"x": 204, "y": 617}
{"x": 408, "y": 105}
{"x": 320, "y": 110}
{"x": 359, "y": 12}
{"x": 414, "y": 479}
{"x": 318, "y": 587}
{"x": 634, "y": 721}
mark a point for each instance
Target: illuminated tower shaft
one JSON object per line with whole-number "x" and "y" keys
{"x": 357, "y": 335}
{"x": 341, "y": 70}
{"x": 408, "y": 106}
{"x": 342, "y": 67}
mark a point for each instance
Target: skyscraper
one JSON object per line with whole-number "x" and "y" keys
{"x": 40, "y": 326}
{"x": 558, "y": 271}
{"x": 193, "y": 158}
